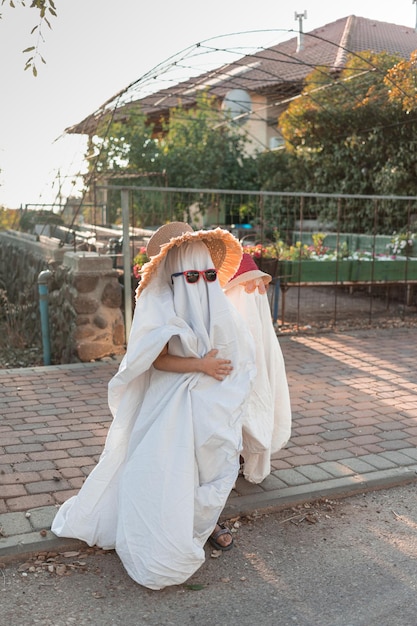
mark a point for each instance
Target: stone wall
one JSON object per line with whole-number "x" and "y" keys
{"x": 85, "y": 296}
{"x": 96, "y": 298}
{"x": 21, "y": 261}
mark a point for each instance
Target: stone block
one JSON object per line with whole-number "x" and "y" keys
{"x": 84, "y": 283}
{"x": 84, "y": 304}
{"x": 112, "y": 295}
{"x": 14, "y": 523}
{"x": 100, "y": 321}
{"x": 87, "y": 262}
{"x": 119, "y": 334}
{"x": 42, "y": 517}
{"x": 84, "y": 332}
{"x": 92, "y": 350}
{"x": 82, "y": 320}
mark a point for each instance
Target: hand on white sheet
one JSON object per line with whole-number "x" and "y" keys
{"x": 208, "y": 364}
{"x": 217, "y": 368}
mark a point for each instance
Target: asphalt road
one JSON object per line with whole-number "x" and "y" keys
{"x": 350, "y": 562}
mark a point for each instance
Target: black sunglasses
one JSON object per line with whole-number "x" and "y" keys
{"x": 192, "y": 276}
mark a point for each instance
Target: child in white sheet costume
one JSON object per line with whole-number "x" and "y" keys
{"x": 171, "y": 456}
{"x": 267, "y": 422}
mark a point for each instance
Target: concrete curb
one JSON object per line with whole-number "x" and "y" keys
{"x": 20, "y": 547}
{"x": 28, "y": 533}
{"x": 336, "y": 488}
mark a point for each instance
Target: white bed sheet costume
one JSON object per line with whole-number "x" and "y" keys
{"x": 171, "y": 455}
{"x": 267, "y": 421}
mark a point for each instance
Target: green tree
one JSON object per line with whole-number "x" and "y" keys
{"x": 123, "y": 145}
{"x": 201, "y": 148}
{"x": 196, "y": 148}
{"x": 349, "y": 135}
{"x": 124, "y": 150}
{"x": 401, "y": 80}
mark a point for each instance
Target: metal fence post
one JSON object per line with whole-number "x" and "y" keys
{"x": 126, "y": 262}
{"x": 43, "y": 307}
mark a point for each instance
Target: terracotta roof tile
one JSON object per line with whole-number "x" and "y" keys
{"x": 280, "y": 68}
{"x": 377, "y": 36}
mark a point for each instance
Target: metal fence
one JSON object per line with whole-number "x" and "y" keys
{"x": 369, "y": 281}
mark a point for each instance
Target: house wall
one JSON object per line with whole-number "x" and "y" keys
{"x": 262, "y": 126}
{"x": 256, "y": 126}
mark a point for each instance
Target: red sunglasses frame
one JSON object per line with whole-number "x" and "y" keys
{"x": 202, "y": 273}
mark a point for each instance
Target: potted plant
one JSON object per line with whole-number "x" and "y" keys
{"x": 266, "y": 257}
{"x": 401, "y": 243}
{"x": 139, "y": 260}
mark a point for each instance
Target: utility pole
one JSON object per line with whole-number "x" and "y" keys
{"x": 415, "y": 2}
{"x": 300, "y": 40}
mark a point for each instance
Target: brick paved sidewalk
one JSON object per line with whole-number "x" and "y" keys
{"x": 53, "y": 426}
{"x": 354, "y": 399}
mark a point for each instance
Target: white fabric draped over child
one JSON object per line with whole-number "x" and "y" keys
{"x": 267, "y": 421}
{"x": 172, "y": 452}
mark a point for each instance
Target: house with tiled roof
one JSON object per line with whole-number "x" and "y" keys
{"x": 256, "y": 88}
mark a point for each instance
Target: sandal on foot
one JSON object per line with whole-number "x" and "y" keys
{"x": 218, "y": 533}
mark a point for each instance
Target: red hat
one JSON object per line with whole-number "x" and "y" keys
{"x": 248, "y": 270}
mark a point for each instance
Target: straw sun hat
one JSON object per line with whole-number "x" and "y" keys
{"x": 248, "y": 270}
{"x": 224, "y": 248}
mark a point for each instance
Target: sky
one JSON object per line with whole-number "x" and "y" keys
{"x": 98, "y": 47}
